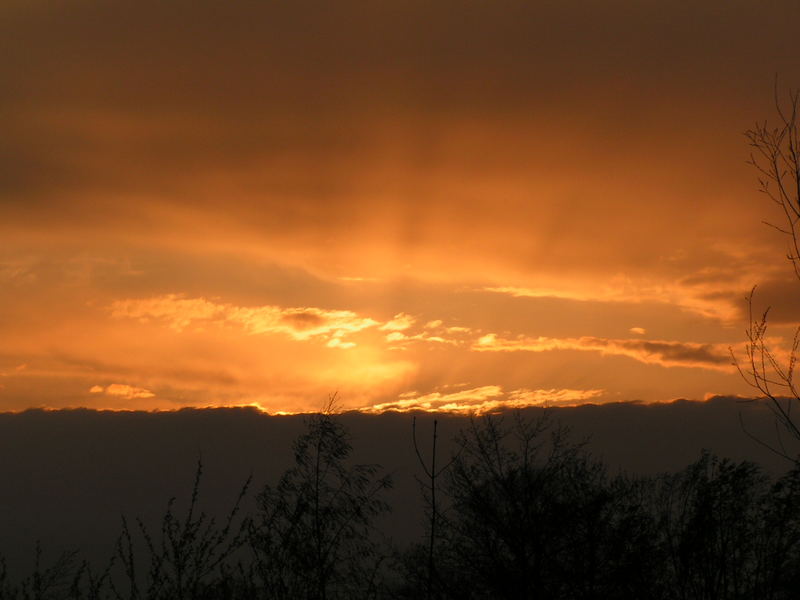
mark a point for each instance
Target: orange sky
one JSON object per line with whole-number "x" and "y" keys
{"x": 442, "y": 204}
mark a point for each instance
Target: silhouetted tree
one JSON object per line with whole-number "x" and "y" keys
{"x": 314, "y": 537}
{"x": 776, "y": 157}
{"x": 523, "y": 513}
{"x": 710, "y": 520}
{"x": 728, "y": 533}
{"x": 781, "y": 538}
{"x": 534, "y": 516}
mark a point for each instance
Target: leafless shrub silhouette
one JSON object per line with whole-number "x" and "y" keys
{"x": 776, "y": 157}
{"x": 191, "y": 558}
{"x": 313, "y": 537}
{"x": 66, "y": 578}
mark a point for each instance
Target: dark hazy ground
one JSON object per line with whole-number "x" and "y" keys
{"x": 66, "y": 477}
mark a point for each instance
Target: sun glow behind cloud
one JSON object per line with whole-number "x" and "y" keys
{"x": 173, "y": 350}
{"x": 298, "y": 323}
{"x": 300, "y": 204}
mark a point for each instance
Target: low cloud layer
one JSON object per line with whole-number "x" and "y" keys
{"x": 482, "y": 400}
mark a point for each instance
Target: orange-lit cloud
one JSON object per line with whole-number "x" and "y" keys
{"x": 298, "y": 323}
{"x": 554, "y": 397}
{"x": 664, "y": 353}
{"x": 434, "y": 332}
{"x": 484, "y": 400}
{"x": 400, "y": 322}
{"x": 122, "y": 390}
{"x": 263, "y": 203}
{"x": 397, "y": 337}
{"x": 717, "y": 298}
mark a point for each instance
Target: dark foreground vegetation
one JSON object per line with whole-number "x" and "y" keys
{"x": 520, "y": 511}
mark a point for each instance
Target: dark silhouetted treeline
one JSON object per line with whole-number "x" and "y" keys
{"x": 521, "y": 511}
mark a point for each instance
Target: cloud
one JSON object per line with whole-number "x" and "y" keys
{"x": 317, "y": 153}
{"x": 399, "y": 337}
{"x": 709, "y": 299}
{"x": 553, "y": 397}
{"x": 463, "y": 401}
{"x": 354, "y": 174}
{"x": 17, "y": 370}
{"x": 432, "y": 331}
{"x": 664, "y": 353}
{"x": 336, "y": 342}
{"x": 458, "y": 329}
{"x": 524, "y": 292}
{"x": 400, "y": 322}
{"x": 121, "y": 390}
{"x": 483, "y": 400}
{"x": 780, "y": 294}
{"x": 638, "y": 330}
{"x": 300, "y": 324}
{"x": 359, "y": 279}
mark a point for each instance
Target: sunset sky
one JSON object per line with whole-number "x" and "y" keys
{"x": 438, "y": 204}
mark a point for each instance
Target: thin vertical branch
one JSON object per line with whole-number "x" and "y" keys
{"x": 776, "y": 158}
{"x": 432, "y": 473}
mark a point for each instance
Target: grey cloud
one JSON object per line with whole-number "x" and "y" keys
{"x": 302, "y": 320}
{"x": 780, "y": 295}
{"x": 679, "y": 352}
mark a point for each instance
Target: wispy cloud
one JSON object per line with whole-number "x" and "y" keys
{"x": 300, "y": 324}
{"x": 16, "y": 370}
{"x": 483, "y": 399}
{"x": 524, "y": 292}
{"x": 554, "y": 397}
{"x": 356, "y": 279}
{"x": 659, "y": 352}
{"x": 432, "y": 331}
{"x": 713, "y": 299}
{"x": 461, "y": 401}
{"x": 400, "y": 322}
{"x": 399, "y": 337}
{"x": 122, "y": 390}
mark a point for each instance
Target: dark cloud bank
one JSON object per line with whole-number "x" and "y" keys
{"x": 68, "y": 476}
